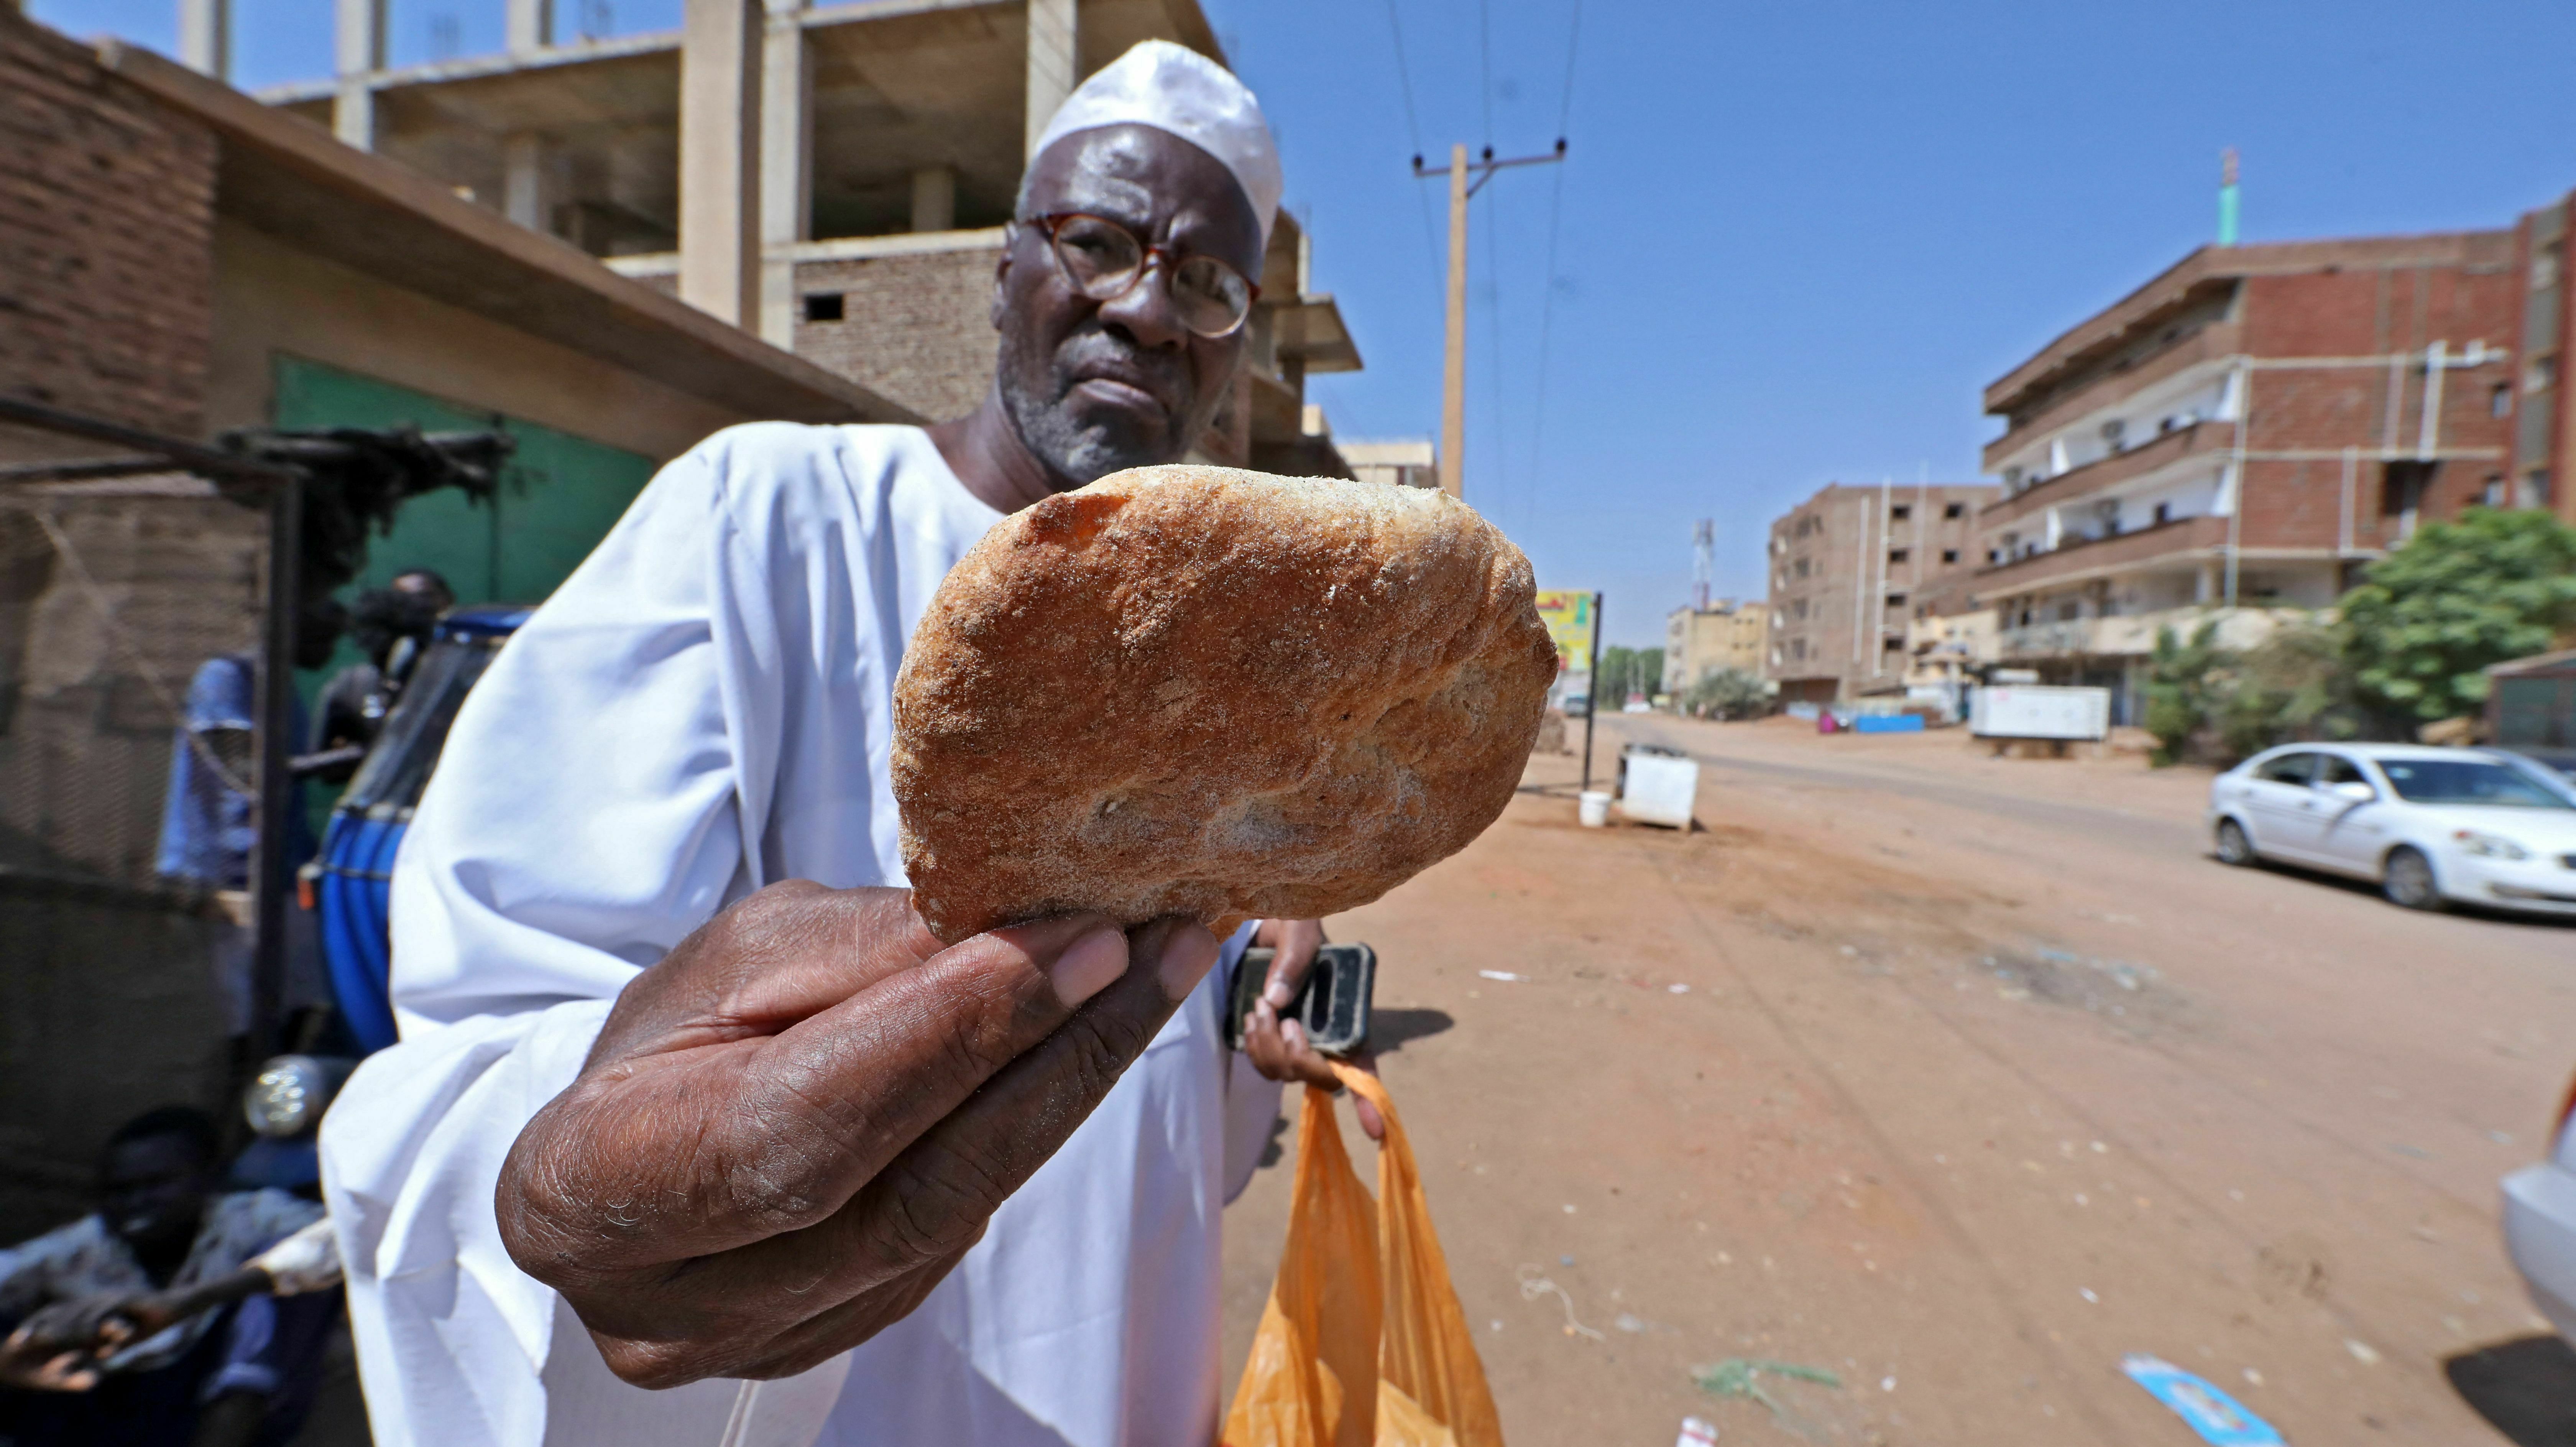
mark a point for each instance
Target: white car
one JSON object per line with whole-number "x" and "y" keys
{"x": 2540, "y": 1226}
{"x": 2430, "y": 826}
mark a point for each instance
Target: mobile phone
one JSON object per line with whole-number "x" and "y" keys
{"x": 1333, "y": 1006}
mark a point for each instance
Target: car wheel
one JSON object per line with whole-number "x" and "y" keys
{"x": 2408, "y": 880}
{"x": 2233, "y": 846}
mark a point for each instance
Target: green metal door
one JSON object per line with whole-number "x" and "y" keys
{"x": 559, "y": 496}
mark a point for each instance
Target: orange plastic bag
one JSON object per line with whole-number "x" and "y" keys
{"x": 1363, "y": 1341}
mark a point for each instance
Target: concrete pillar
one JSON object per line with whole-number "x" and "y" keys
{"x": 1053, "y": 50}
{"x": 720, "y": 133}
{"x": 527, "y": 181}
{"x": 934, "y": 198}
{"x": 359, "y": 49}
{"x": 206, "y": 37}
{"x": 786, "y": 165}
{"x": 530, "y": 25}
{"x": 2204, "y": 584}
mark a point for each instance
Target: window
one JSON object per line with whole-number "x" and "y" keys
{"x": 2500, "y": 400}
{"x": 1949, "y": 555}
{"x": 1955, "y": 511}
{"x": 1892, "y": 643}
{"x": 1900, "y": 512}
{"x": 2492, "y": 495}
{"x": 2333, "y": 769}
{"x": 2069, "y": 611}
{"x": 1895, "y": 600}
{"x": 823, "y": 306}
{"x": 2404, "y": 485}
{"x": 1898, "y": 555}
{"x": 2164, "y": 513}
{"x": 2289, "y": 768}
{"x": 2468, "y": 781}
{"x": 1800, "y": 568}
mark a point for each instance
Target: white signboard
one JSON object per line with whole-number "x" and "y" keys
{"x": 2032, "y": 711}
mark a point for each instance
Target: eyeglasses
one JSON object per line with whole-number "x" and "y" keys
{"x": 1104, "y": 261}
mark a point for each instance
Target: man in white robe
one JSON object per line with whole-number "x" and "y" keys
{"x": 822, "y": 1180}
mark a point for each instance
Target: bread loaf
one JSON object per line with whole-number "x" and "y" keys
{"x": 1206, "y": 692}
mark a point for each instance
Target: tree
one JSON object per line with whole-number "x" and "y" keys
{"x": 1727, "y": 693}
{"x": 2455, "y": 598}
{"x": 2292, "y": 685}
{"x": 1625, "y": 671}
{"x": 2179, "y": 685}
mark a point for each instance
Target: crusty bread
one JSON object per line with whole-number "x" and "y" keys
{"x": 1206, "y": 692}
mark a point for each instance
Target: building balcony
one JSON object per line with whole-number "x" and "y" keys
{"x": 2182, "y": 540}
{"x": 2212, "y": 343}
{"x": 2199, "y": 439}
{"x": 2134, "y": 635}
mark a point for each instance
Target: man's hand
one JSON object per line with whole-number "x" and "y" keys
{"x": 51, "y": 1351}
{"x": 1279, "y": 1048}
{"x": 794, "y": 1125}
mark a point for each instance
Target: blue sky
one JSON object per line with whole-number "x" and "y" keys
{"x": 1796, "y": 240}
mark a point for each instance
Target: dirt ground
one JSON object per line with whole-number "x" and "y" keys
{"x": 1959, "y": 1078}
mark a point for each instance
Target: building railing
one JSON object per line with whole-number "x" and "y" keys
{"x": 2203, "y": 438}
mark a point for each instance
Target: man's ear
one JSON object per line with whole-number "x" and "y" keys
{"x": 1002, "y": 277}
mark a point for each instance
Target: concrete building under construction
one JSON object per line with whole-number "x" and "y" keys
{"x": 835, "y": 178}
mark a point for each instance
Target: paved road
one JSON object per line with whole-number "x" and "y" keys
{"x": 1982, "y": 1075}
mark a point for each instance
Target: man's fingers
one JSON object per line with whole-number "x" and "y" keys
{"x": 670, "y": 1157}
{"x": 791, "y": 950}
{"x": 933, "y": 1199}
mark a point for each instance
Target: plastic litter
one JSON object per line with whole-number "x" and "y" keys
{"x": 1363, "y": 1339}
{"x": 1592, "y": 807}
{"x": 1506, "y": 976}
{"x": 1534, "y": 1286}
{"x": 2217, "y": 1417}
{"x": 1696, "y": 1433}
{"x": 1741, "y": 1377}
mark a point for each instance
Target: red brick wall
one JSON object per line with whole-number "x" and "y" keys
{"x": 2359, "y": 312}
{"x": 106, "y": 242}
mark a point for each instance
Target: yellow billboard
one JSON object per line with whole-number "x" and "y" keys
{"x": 1570, "y": 618}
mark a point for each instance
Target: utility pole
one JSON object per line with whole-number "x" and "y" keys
{"x": 1453, "y": 389}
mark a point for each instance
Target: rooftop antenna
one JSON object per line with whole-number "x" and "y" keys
{"x": 1703, "y": 561}
{"x": 2227, "y": 197}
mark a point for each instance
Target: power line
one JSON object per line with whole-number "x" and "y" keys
{"x": 1573, "y": 35}
{"x": 1494, "y": 336}
{"x": 1485, "y": 46}
{"x": 1555, "y": 210}
{"x": 1413, "y": 127}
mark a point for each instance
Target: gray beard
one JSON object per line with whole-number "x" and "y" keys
{"x": 1079, "y": 451}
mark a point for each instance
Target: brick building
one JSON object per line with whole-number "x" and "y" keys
{"x": 1702, "y": 641}
{"x": 1848, "y": 567}
{"x": 176, "y": 257}
{"x": 2544, "y": 432}
{"x": 2241, "y": 435}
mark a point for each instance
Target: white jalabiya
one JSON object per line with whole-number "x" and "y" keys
{"x": 704, "y": 708}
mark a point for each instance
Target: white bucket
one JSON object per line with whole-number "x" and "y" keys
{"x": 1593, "y": 808}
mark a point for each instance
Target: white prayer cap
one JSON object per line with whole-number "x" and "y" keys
{"x": 1162, "y": 85}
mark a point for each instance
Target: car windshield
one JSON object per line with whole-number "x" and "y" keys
{"x": 2469, "y": 781}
